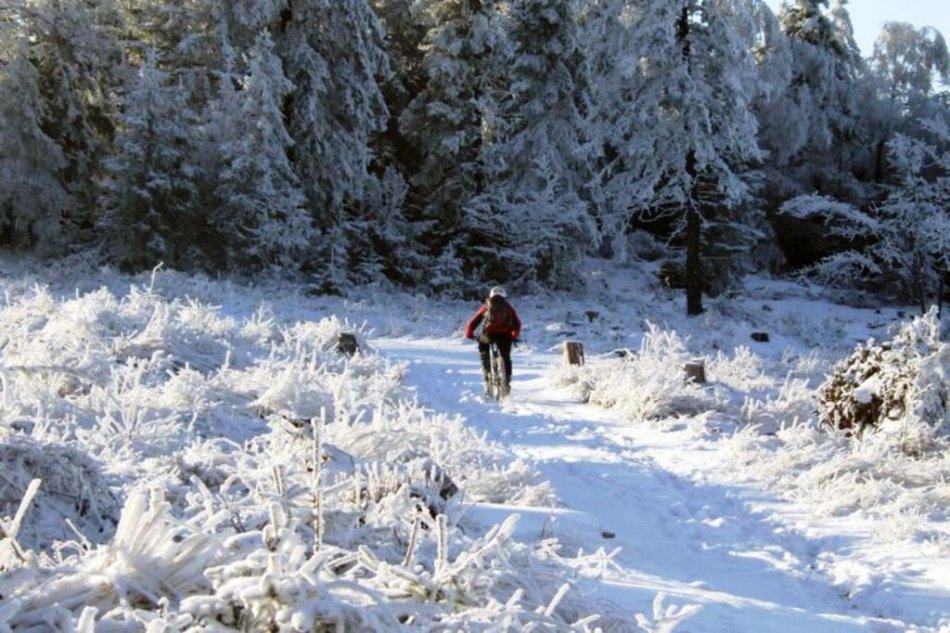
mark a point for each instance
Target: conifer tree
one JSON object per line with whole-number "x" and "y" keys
{"x": 31, "y": 195}
{"x": 332, "y": 52}
{"x": 695, "y": 84}
{"x": 262, "y": 213}
{"x": 455, "y": 113}
{"x": 150, "y": 190}
{"x": 532, "y": 222}
{"x": 620, "y": 130}
{"x": 73, "y": 50}
{"x": 812, "y": 127}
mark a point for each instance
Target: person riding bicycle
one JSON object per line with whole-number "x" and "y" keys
{"x": 500, "y": 324}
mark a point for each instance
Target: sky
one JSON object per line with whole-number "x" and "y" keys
{"x": 667, "y": 500}
{"x": 867, "y": 17}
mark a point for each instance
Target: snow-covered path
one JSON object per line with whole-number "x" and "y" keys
{"x": 645, "y": 491}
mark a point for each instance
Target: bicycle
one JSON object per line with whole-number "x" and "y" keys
{"x": 498, "y": 377}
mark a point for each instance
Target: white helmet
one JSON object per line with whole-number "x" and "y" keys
{"x": 498, "y": 291}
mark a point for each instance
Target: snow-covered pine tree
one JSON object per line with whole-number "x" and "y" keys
{"x": 238, "y": 23}
{"x": 903, "y": 245}
{"x": 333, "y": 53}
{"x": 619, "y": 129}
{"x": 695, "y": 84}
{"x": 31, "y": 194}
{"x": 262, "y": 215}
{"x": 812, "y": 126}
{"x": 185, "y": 37}
{"x": 454, "y": 115}
{"x": 392, "y": 222}
{"x": 148, "y": 195}
{"x": 531, "y": 223}
{"x": 74, "y": 53}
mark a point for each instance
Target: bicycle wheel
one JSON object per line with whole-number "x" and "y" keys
{"x": 498, "y": 377}
{"x": 502, "y": 375}
{"x": 493, "y": 357}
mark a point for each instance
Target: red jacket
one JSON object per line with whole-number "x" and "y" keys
{"x": 510, "y": 326}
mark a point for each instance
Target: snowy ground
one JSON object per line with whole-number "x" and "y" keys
{"x": 755, "y": 562}
{"x": 175, "y": 424}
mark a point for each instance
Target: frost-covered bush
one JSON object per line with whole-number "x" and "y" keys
{"x": 899, "y": 387}
{"x": 73, "y": 487}
{"x": 835, "y": 476}
{"x": 648, "y": 384}
{"x": 793, "y": 403}
{"x": 879, "y": 446}
{"x": 245, "y": 474}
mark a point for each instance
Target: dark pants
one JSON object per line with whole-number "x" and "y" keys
{"x": 504, "y": 346}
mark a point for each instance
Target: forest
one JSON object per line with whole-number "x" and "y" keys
{"x": 442, "y": 145}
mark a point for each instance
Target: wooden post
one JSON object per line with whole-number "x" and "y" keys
{"x": 573, "y": 352}
{"x": 696, "y": 371}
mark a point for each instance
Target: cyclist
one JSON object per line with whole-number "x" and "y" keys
{"x": 500, "y": 323}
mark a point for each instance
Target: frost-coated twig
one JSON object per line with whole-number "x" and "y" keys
{"x": 556, "y": 600}
{"x": 154, "y": 277}
{"x": 316, "y": 483}
{"x": 442, "y": 546}
{"x": 278, "y": 475}
{"x": 665, "y": 620}
{"x": 11, "y": 531}
{"x": 413, "y": 543}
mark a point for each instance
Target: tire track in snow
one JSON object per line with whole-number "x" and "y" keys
{"x": 696, "y": 541}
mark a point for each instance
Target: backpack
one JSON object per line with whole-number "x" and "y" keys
{"x": 498, "y": 318}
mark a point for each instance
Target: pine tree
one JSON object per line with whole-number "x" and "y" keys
{"x": 812, "y": 127}
{"x": 149, "y": 190}
{"x": 620, "y": 130}
{"x": 453, "y": 115}
{"x": 262, "y": 211}
{"x": 695, "y": 84}
{"x": 532, "y": 223}
{"x": 74, "y": 52}
{"x": 31, "y": 195}
{"x": 332, "y": 52}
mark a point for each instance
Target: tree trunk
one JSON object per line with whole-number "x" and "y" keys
{"x": 880, "y": 154}
{"x": 940, "y": 290}
{"x": 694, "y": 268}
{"x": 694, "y": 272}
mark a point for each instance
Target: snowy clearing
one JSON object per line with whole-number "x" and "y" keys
{"x": 160, "y": 435}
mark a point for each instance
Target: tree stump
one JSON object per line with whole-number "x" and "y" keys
{"x": 696, "y": 371}
{"x": 573, "y": 353}
{"x": 346, "y": 344}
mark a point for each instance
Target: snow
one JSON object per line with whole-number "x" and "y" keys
{"x": 751, "y": 560}
{"x": 612, "y": 495}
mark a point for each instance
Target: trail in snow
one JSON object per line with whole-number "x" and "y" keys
{"x": 699, "y": 542}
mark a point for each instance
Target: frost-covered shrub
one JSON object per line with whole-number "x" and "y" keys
{"x": 73, "y": 486}
{"x": 793, "y": 403}
{"x": 833, "y": 475}
{"x": 269, "y": 482}
{"x": 648, "y": 384}
{"x": 898, "y": 387}
{"x": 743, "y": 371}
